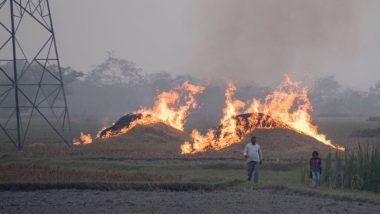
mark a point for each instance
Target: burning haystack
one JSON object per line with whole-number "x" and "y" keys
{"x": 260, "y": 121}
{"x": 125, "y": 122}
{"x": 248, "y": 122}
{"x": 170, "y": 108}
{"x": 287, "y": 107}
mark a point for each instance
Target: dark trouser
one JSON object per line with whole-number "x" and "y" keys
{"x": 253, "y": 167}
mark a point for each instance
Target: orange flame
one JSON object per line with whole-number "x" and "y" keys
{"x": 288, "y": 106}
{"x": 168, "y": 108}
{"x": 84, "y": 139}
{"x": 165, "y": 109}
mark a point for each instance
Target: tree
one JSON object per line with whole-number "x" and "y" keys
{"x": 325, "y": 88}
{"x": 116, "y": 71}
{"x": 325, "y": 95}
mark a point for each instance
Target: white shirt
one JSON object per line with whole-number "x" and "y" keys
{"x": 253, "y": 152}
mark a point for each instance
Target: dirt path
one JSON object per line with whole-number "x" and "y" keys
{"x": 259, "y": 201}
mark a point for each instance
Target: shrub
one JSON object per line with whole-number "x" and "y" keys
{"x": 354, "y": 170}
{"x": 327, "y": 171}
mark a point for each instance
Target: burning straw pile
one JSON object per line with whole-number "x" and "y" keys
{"x": 287, "y": 107}
{"x": 276, "y": 111}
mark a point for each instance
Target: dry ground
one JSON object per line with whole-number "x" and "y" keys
{"x": 147, "y": 157}
{"x": 257, "y": 201}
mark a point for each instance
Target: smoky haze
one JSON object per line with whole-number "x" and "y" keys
{"x": 333, "y": 46}
{"x": 255, "y": 40}
{"x": 117, "y": 87}
{"x": 246, "y": 40}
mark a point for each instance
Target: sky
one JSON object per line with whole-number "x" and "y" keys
{"x": 249, "y": 41}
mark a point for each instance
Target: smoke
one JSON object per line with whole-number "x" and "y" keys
{"x": 258, "y": 41}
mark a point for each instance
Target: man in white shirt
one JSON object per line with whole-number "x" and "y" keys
{"x": 254, "y": 157}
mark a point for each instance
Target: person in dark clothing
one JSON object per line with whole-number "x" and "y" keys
{"x": 315, "y": 169}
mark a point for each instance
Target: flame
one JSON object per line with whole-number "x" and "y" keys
{"x": 145, "y": 120}
{"x": 83, "y": 139}
{"x": 170, "y": 107}
{"x": 165, "y": 109}
{"x": 288, "y": 106}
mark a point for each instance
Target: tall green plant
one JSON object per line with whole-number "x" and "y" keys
{"x": 364, "y": 167}
{"x": 356, "y": 169}
{"x": 338, "y": 171}
{"x": 349, "y": 169}
{"x": 373, "y": 180}
{"x": 327, "y": 171}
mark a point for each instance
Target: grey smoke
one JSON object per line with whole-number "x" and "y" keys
{"x": 259, "y": 41}
{"x": 243, "y": 40}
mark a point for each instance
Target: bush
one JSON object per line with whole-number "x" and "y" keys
{"x": 327, "y": 172}
{"x": 353, "y": 170}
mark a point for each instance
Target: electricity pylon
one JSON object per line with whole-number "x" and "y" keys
{"x": 31, "y": 79}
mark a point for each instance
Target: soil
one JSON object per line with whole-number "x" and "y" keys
{"x": 257, "y": 201}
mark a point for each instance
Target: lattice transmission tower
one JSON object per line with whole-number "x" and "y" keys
{"x": 31, "y": 79}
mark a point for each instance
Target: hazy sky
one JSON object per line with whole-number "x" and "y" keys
{"x": 244, "y": 40}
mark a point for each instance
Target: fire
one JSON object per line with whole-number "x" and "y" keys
{"x": 84, "y": 139}
{"x": 165, "y": 109}
{"x": 288, "y": 106}
{"x": 170, "y": 107}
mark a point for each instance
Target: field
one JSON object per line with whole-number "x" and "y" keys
{"x": 110, "y": 176}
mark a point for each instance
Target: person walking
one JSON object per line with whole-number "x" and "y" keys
{"x": 315, "y": 169}
{"x": 253, "y": 155}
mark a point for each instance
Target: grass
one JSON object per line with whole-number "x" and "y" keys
{"x": 357, "y": 169}
{"x": 22, "y": 171}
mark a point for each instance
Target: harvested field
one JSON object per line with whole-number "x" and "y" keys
{"x": 257, "y": 201}
{"x": 143, "y": 172}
